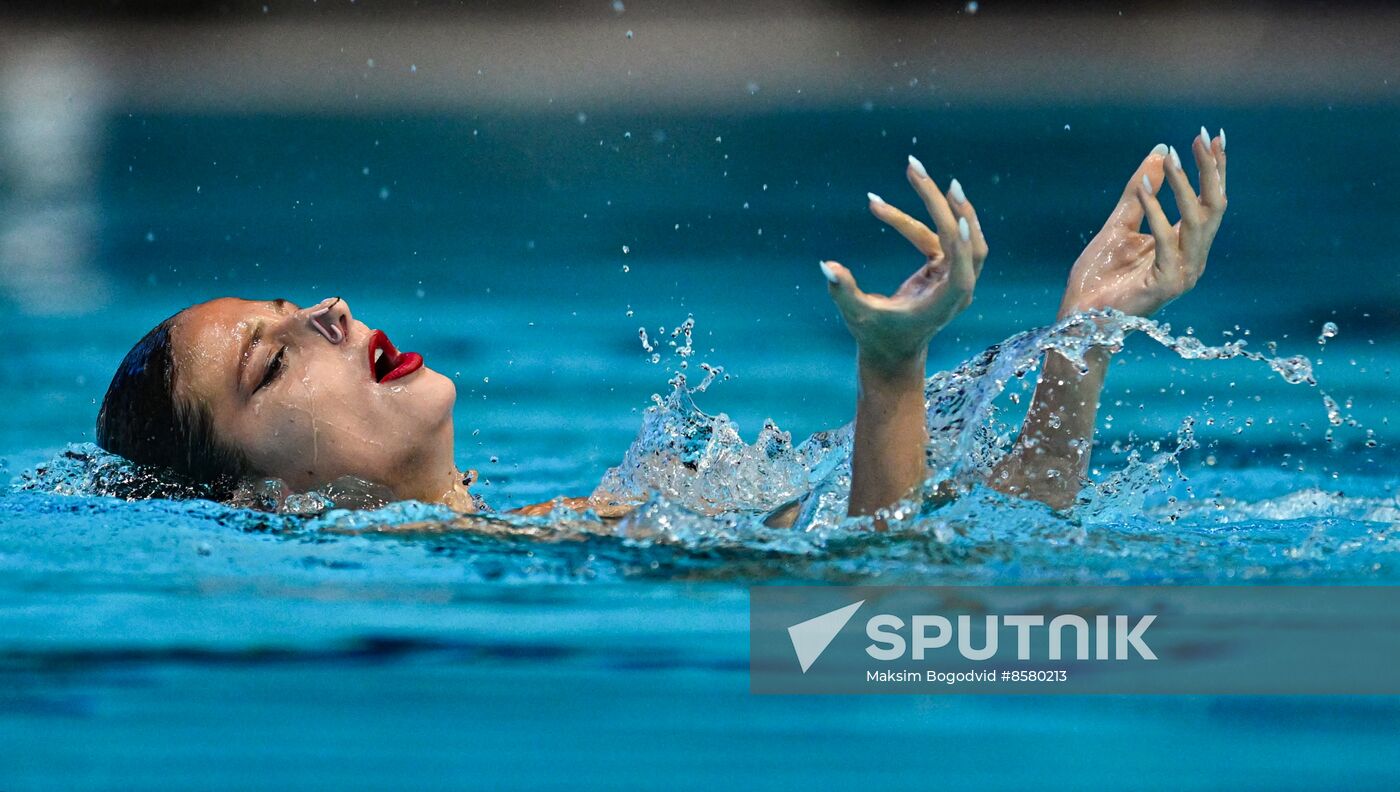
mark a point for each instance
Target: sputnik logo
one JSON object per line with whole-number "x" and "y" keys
{"x": 810, "y": 638}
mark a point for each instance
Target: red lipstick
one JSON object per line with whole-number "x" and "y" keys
{"x": 387, "y": 363}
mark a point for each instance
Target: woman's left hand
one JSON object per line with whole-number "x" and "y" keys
{"x": 893, "y": 330}
{"x": 1139, "y": 273}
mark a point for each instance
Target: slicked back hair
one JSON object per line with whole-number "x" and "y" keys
{"x": 144, "y": 421}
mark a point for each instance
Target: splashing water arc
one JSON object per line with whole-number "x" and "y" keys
{"x": 700, "y": 462}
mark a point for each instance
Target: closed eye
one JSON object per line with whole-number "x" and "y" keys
{"x": 274, "y": 369}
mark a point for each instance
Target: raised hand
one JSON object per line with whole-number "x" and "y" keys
{"x": 894, "y": 328}
{"x": 1129, "y": 271}
{"x": 1138, "y": 273}
{"x": 892, "y": 332}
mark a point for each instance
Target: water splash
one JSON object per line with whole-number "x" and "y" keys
{"x": 700, "y": 461}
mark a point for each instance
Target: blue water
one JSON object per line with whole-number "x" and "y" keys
{"x": 192, "y": 644}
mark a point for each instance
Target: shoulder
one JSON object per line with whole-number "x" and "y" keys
{"x": 607, "y": 509}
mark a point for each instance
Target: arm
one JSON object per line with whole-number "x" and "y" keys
{"x": 1051, "y": 456}
{"x": 1128, "y": 271}
{"x": 888, "y": 457}
{"x": 892, "y": 335}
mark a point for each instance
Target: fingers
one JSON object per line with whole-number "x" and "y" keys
{"x": 962, "y": 273}
{"x": 1212, "y": 200}
{"x": 1128, "y": 213}
{"x": 1219, "y": 148}
{"x": 1192, "y": 214}
{"x": 1212, "y": 191}
{"x": 1168, "y": 258}
{"x": 967, "y": 214}
{"x": 937, "y": 205}
{"x": 841, "y": 285}
{"x": 917, "y": 233}
{"x": 954, "y": 232}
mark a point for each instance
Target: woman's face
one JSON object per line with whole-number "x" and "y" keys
{"x": 313, "y": 395}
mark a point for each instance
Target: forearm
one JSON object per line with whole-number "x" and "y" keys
{"x": 893, "y": 332}
{"x": 1128, "y": 271}
{"x": 1051, "y": 455}
{"x": 888, "y": 459}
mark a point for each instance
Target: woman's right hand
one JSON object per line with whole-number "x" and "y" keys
{"x": 896, "y": 329}
{"x": 1138, "y": 273}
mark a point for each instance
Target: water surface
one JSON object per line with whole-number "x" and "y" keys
{"x": 161, "y": 642}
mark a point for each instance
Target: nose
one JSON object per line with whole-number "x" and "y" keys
{"x": 330, "y": 318}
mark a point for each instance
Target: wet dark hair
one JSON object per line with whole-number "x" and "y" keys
{"x": 142, "y": 420}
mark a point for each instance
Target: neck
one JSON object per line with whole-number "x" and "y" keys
{"x": 433, "y": 477}
{"x": 449, "y": 487}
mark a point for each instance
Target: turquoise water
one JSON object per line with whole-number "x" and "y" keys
{"x": 163, "y": 643}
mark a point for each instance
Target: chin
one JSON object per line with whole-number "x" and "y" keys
{"x": 437, "y": 393}
{"x": 422, "y": 421}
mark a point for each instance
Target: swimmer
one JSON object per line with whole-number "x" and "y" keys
{"x": 234, "y": 391}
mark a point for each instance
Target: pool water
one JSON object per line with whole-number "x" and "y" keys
{"x": 164, "y": 643}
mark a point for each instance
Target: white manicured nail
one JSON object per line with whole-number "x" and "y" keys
{"x": 1222, "y": 138}
{"x": 1176, "y": 158}
{"x": 955, "y": 189}
{"x": 827, "y": 271}
{"x": 874, "y": 198}
{"x": 917, "y": 166}
{"x": 1146, "y": 182}
{"x": 963, "y": 230}
{"x": 1160, "y": 150}
{"x": 1205, "y": 138}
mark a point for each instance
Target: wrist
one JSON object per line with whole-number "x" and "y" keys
{"x": 891, "y": 370}
{"x": 1062, "y": 369}
{"x": 1070, "y": 307}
